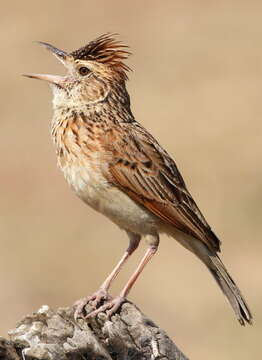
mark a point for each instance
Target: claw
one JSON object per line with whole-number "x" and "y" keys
{"x": 80, "y": 305}
{"x": 109, "y": 307}
{"x": 92, "y": 300}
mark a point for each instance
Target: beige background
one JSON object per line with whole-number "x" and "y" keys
{"x": 196, "y": 85}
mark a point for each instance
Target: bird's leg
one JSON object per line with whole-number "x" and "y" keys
{"x": 134, "y": 240}
{"x": 102, "y": 292}
{"x": 113, "y": 305}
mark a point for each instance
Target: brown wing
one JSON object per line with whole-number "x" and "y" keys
{"x": 145, "y": 171}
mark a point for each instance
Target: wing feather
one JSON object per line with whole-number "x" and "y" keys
{"x": 144, "y": 170}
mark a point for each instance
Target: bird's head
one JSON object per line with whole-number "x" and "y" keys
{"x": 92, "y": 71}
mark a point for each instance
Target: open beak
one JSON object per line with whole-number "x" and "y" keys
{"x": 60, "y": 54}
{"x": 53, "y": 79}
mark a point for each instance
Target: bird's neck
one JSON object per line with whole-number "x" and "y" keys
{"x": 76, "y": 126}
{"x": 113, "y": 105}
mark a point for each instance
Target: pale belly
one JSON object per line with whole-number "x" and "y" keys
{"x": 110, "y": 201}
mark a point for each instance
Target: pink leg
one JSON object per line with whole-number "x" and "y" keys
{"x": 113, "y": 305}
{"x": 133, "y": 244}
{"x": 102, "y": 293}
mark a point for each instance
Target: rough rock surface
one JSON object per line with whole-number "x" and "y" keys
{"x": 54, "y": 335}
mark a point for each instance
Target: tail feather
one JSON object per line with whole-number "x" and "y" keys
{"x": 230, "y": 289}
{"x": 210, "y": 258}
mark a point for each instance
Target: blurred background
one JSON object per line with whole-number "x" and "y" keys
{"x": 196, "y": 85}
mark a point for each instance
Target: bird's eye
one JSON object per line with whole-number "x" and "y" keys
{"x": 84, "y": 71}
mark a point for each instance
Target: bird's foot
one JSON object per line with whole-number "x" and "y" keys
{"x": 110, "y": 307}
{"x": 92, "y": 300}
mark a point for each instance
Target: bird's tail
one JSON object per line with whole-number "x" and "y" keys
{"x": 210, "y": 258}
{"x": 229, "y": 288}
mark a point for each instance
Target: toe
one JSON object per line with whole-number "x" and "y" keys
{"x": 110, "y": 307}
{"x": 100, "y": 296}
{"x": 80, "y": 306}
{"x": 115, "y": 306}
{"x": 92, "y": 300}
{"x": 100, "y": 309}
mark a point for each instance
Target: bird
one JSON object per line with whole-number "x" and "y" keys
{"x": 120, "y": 170}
